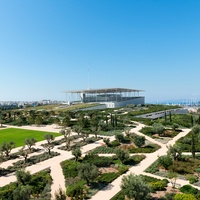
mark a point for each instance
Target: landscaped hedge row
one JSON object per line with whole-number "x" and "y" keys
{"x": 108, "y": 150}
{"x": 30, "y": 161}
{"x": 81, "y": 143}
{"x": 99, "y": 161}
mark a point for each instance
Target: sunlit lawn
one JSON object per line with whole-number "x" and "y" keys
{"x": 19, "y": 135}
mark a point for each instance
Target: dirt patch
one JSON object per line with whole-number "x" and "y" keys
{"x": 128, "y": 146}
{"x": 107, "y": 170}
{"x": 160, "y": 194}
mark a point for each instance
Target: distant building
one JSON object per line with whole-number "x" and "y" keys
{"x": 110, "y": 97}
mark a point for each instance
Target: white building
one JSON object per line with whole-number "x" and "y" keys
{"x": 110, "y": 97}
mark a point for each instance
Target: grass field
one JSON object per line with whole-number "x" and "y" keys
{"x": 60, "y": 107}
{"x": 19, "y": 135}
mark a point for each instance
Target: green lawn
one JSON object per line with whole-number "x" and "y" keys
{"x": 19, "y": 135}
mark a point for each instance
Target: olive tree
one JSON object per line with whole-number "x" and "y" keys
{"x": 23, "y": 152}
{"x": 139, "y": 140}
{"x": 76, "y": 153}
{"x": 158, "y": 128}
{"x": 134, "y": 187}
{"x": 6, "y": 148}
{"x": 30, "y": 142}
{"x": 67, "y": 133}
{"x": 49, "y": 145}
{"x": 175, "y": 152}
{"x": 87, "y": 172}
{"x": 122, "y": 155}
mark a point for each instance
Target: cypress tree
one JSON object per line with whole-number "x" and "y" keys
{"x": 192, "y": 121}
{"x": 170, "y": 116}
{"x": 165, "y": 117}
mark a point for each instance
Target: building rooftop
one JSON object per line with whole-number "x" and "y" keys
{"x": 104, "y": 90}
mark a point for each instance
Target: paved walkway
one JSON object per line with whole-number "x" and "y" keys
{"x": 53, "y": 163}
{"x": 56, "y": 170}
{"x": 113, "y": 188}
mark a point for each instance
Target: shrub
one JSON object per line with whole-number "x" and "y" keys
{"x": 99, "y": 161}
{"x": 114, "y": 143}
{"x": 188, "y": 189}
{"x": 70, "y": 168}
{"x": 147, "y": 131}
{"x": 139, "y": 140}
{"x": 153, "y": 168}
{"x": 158, "y": 185}
{"x": 184, "y": 197}
{"x": 147, "y": 149}
{"x": 107, "y": 177}
{"x": 119, "y": 137}
{"x": 119, "y": 196}
{"x": 169, "y": 196}
{"x": 76, "y": 190}
{"x": 165, "y": 161}
{"x": 192, "y": 178}
{"x": 103, "y": 149}
{"x": 122, "y": 169}
{"x": 106, "y": 141}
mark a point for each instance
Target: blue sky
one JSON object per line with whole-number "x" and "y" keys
{"x": 48, "y": 46}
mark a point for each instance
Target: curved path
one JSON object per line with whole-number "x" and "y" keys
{"x": 56, "y": 170}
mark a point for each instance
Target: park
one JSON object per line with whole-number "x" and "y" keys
{"x": 94, "y": 154}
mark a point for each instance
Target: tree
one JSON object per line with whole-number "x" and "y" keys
{"x": 173, "y": 177}
{"x": 127, "y": 131}
{"x": 56, "y": 120}
{"x": 22, "y": 192}
{"x": 170, "y": 116}
{"x": 134, "y": 187}
{"x": 2, "y": 118}
{"x": 76, "y": 153}
{"x": 38, "y": 120}
{"x": 139, "y": 140}
{"x": 119, "y": 137}
{"x": 31, "y": 119}
{"x": 87, "y": 172}
{"x": 84, "y": 135}
{"x": 60, "y": 194}
{"x": 49, "y": 145}
{"x": 106, "y": 141}
{"x": 49, "y": 138}
{"x": 165, "y": 161}
{"x": 23, "y": 177}
{"x": 122, "y": 155}
{"x": 77, "y": 129}
{"x": 67, "y": 133}
{"x": 23, "y": 152}
{"x": 158, "y": 128}
{"x": 66, "y": 121}
{"x": 175, "y": 152}
{"x": 175, "y": 126}
{"x": 30, "y": 142}
{"x": 195, "y": 133}
{"x": 83, "y": 121}
{"x": 95, "y": 130}
{"x": 6, "y": 148}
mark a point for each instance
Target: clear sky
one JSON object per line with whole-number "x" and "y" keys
{"x": 48, "y": 46}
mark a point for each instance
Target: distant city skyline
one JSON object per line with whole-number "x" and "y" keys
{"x": 47, "y": 47}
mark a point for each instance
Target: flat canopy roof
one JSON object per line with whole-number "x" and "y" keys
{"x": 105, "y": 90}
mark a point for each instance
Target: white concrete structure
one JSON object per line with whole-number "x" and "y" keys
{"x": 111, "y": 97}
